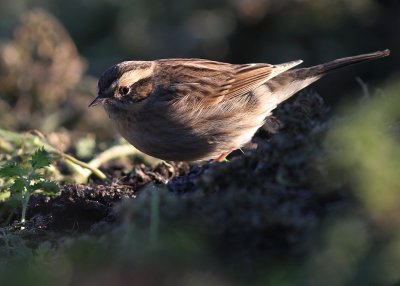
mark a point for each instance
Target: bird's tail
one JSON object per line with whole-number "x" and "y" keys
{"x": 289, "y": 82}
{"x": 339, "y": 63}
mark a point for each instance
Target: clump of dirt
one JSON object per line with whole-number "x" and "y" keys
{"x": 79, "y": 207}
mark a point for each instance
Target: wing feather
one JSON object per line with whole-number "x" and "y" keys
{"x": 212, "y": 82}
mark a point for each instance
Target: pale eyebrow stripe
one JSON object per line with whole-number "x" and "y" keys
{"x": 130, "y": 77}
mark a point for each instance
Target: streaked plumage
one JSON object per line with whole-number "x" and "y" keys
{"x": 194, "y": 109}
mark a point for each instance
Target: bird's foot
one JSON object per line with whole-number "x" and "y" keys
{"x": 222, "y": 157}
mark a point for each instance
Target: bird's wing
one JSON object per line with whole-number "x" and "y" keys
{"x": 212, "y": 82}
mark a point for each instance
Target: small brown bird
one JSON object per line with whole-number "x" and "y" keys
{"x": 194, "y": 109}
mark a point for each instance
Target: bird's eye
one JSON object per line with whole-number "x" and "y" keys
{"x": 124, "y": 90}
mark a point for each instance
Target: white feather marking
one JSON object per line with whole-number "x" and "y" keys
{"x": 132, "y": 76}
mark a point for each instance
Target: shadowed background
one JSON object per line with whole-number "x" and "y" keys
{"x": 51, "y": 58}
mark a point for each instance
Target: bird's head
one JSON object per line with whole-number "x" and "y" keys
{"x": 125, "y": 83}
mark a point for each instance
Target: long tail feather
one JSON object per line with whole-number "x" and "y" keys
{"x": 289, "y": 82}
{"x": 339, "y": 63}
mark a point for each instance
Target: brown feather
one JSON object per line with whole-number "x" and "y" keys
{"x": 211, "y": 82}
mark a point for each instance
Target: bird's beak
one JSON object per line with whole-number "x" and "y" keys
{"x": 99, "y": 99}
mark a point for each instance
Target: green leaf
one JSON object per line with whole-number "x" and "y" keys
{"x": 37, "y": 177}
{"x": 18, "y": 185}
{"x": 47, "y": 187}
{"x": 12, "y": 170}
{"x": 40, "y": 159}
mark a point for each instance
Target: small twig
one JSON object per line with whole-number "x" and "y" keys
{"x": 83, "y": 169}
{"x": 86, "y": 166}
{"x": 118, "y": 152}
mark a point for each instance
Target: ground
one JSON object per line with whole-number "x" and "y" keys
{"x": 265, "y": 217}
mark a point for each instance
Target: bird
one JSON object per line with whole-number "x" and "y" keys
{"x": 196, "y": 109}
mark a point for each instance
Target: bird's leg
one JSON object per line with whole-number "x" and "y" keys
{"x": 222, "y": 157}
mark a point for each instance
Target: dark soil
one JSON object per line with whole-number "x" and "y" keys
{"x": 79, "y": 207}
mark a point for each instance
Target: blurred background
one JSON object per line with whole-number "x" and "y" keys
{"x": 336, "y": 224}
{"x": 52, "y": 51}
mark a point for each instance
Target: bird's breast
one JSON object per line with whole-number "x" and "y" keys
{"x": 181, "y": 133}
{"x": 157, "y": 135}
